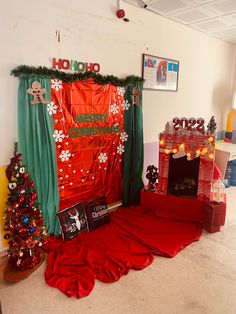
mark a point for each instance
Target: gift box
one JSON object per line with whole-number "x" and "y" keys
{"x": 214, "y": 215}
{"x": 223, "y": 211}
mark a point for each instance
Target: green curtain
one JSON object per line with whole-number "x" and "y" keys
{"x": 133, "y": 156}
{"x": 35, "y": 129}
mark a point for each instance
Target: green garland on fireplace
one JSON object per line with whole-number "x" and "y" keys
{"x": 25, "y": 70}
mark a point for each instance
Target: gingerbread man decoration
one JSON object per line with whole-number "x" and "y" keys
{"x": 135, "y": 96}
{"x": 37, "y": 92}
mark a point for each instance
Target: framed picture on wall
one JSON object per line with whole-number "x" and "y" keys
{"x": 160, "y": 73}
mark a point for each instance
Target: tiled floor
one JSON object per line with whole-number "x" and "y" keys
{"x": 201, "y": 279}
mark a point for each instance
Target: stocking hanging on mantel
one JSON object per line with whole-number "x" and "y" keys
{"x": 86, "y": 142}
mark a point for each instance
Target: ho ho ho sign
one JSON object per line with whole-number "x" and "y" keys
{"x": 78, "y": 66}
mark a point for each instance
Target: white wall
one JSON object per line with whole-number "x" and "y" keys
{"x": 91, "y": 32}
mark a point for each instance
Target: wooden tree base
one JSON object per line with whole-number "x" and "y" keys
{"x": 12, "y": 274}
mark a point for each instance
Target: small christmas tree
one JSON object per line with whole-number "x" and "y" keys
{"x": 23, "y": 221}
{"x": 211, "y": 127}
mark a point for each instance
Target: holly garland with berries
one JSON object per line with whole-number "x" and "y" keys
{"x": 23, "y": 221}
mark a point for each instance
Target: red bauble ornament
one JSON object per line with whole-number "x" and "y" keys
{"x": 11, "y": 228}
{"x": 31, "y": 203}
{"x": 34, "y": 196}
{"x": 25, "y": 175}
{"x": 7, "y": 236}
{"x": 21, "y": 199}
{"x": 31, "y": 183}
{"x": 37, "y": 233}
{"x": 23, "y": 232}
{"x": 31, "y": 244}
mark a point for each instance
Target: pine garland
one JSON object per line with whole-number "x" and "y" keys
{"x": 25, "y": 71}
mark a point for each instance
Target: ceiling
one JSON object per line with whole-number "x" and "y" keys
{"x": 216, "y": 18}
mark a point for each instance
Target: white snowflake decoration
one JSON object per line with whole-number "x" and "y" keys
{"x": 123, "y": 137}
{"x": 125, "y": 104}
{"x": 120, "y": 90}
{"x": 65, "y": 155}
{"x": 120, "y": 149}
{"x": 102, "y": 157}
{"x": 58, "y": 135}
{"x": 52, "y": 108}
{"x": 114, "y": 108}
{"x": 56, "y": 84}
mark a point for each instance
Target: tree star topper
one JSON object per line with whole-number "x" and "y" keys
{"x": 37, "y": 92}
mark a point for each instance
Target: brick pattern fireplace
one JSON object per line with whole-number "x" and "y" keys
{"x": 186, "y": 163}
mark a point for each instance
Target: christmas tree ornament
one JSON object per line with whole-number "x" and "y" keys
{"x": 7, "y": 236}
{"x": 34, "y": 196}
{"x": 12, "y": 185}
{"x": 22, "y": 170}
{"x": 21, "y": 199}
{"x": 22, "y": 220}
{"x": 31, "y": 229}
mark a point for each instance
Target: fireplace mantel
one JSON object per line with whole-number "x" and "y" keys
{"x": 190, "y": 146}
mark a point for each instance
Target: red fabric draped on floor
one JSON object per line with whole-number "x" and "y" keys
{"x": 127, "y": 242}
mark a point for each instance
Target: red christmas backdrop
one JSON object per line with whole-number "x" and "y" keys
{"x": 89, "y": 135}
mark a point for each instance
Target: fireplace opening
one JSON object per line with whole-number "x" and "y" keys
{"x": 183, "y": 176}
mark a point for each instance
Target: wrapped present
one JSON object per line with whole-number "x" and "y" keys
{"x": 214, "y": 215}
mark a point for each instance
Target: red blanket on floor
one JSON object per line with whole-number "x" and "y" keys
{"x": 127, "y": 242}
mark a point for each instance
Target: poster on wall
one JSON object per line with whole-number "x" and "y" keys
{"x": 160, "y": 73}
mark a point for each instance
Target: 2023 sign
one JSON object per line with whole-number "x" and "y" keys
{"x": 190, "y": 124}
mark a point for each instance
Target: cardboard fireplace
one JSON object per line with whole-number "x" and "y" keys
{"x": 186, "y": 162}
